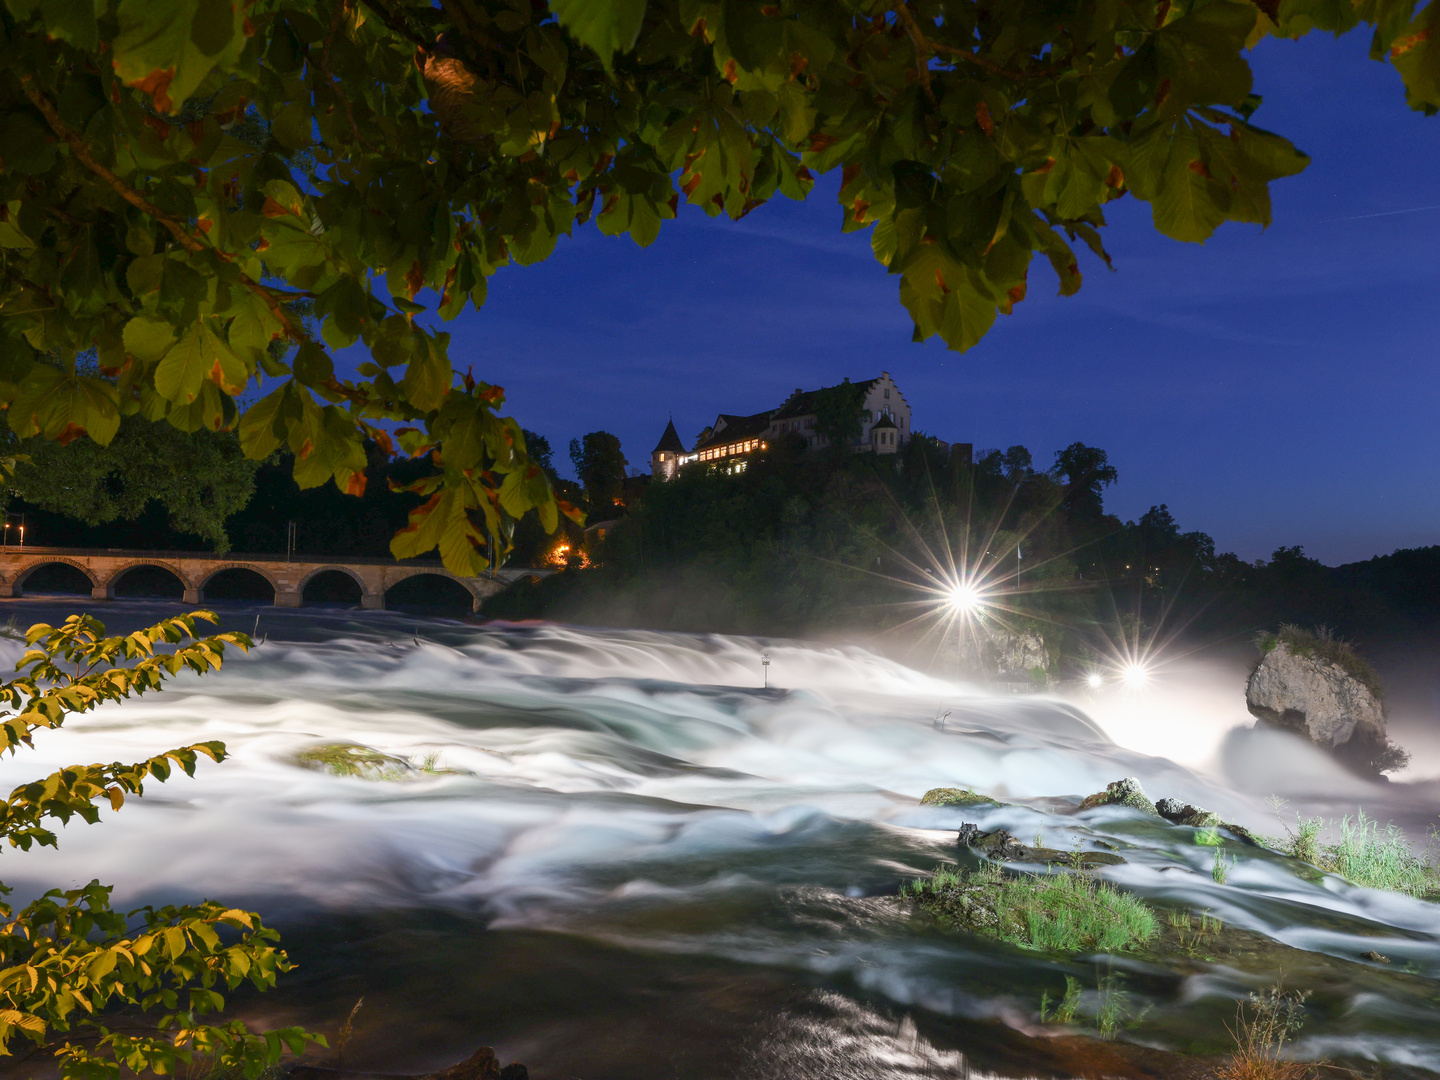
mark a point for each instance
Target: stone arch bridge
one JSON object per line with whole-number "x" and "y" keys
{"x": 288, "y": 577}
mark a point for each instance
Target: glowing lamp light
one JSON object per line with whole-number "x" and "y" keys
{"x": 1094, "y": 680}
{"x": 965, "y": 599}
{"x": 1136, "y": 675}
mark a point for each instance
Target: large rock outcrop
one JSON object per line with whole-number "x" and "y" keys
{"x": 1302, "y": 686}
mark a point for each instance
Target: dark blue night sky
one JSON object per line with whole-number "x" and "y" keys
{"x": 1274, "y": 387}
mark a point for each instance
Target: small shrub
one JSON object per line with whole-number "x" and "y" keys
{"x": 1263, "y": 1025}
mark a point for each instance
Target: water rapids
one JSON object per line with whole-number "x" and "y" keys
{"x": 627, "y": 859}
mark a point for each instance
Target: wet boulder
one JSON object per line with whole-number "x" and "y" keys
{"x": 1173, "y": 810}
{"x": 1126, "y": 792}
{"x": 1001, "y": 846}
{"x": 1317, "y": 687}
{"x": 1185, "y": 814}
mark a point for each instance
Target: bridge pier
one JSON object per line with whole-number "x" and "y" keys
{"x": 292, "y": 598}
{"x": 372, "y": 601}
{"x": 100, "y": 592}
{"x": 191, "y": 596}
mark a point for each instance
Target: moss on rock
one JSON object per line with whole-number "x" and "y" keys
{"x": 1126, "y": 792}
{"x": 352, "y": 759}
{"x": 950, "y": 796}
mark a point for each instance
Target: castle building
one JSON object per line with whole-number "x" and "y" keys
{"x": 882, "y": 412}
{"x": 665, "y": 458}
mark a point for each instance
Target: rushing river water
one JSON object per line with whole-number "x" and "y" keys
{"x": 629, "y": 860}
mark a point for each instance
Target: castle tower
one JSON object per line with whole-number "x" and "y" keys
{"x": 665, "y": 458}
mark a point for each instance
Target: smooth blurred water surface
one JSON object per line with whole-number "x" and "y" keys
{"x": 636, "y": 862}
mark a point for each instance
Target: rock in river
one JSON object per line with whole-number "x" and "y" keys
{"x": 1311, "y": 684}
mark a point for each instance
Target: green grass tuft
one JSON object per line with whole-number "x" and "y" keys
{"x": 1365, "y": 855}
{"x": 1062, "y": 912}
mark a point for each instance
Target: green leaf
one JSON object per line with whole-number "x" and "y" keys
{"x": 185, "y": 365}
{"x": 72, "y": 21}
{"x": 262, "y": 429}
{"x": 604, "y": 26}
{"x": 1190, "y": 204}
{"x": 58, "y": 405}
{"x": 166, "y": 49}
{"x": 428, "y": 376}
{"x": 148, "y": 338}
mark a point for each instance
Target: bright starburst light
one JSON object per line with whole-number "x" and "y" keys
{"x": 966, "y": 599}
{"x": 1136, "y": 675}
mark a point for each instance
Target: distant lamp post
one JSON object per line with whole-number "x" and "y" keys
{"x": 765, "y": 667}
{"x": 291, "y": 532}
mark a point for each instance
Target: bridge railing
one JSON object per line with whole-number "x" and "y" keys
{"x": 212, "y": 556}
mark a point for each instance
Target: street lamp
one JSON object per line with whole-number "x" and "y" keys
{"x": 765, "y": 667}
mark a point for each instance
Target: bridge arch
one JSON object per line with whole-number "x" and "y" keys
{"x": 233, "y": 569}
{"x": 401, "y": 588}
{"x": 333, "y": 568}
{"x": 189, "y": 593}
{"x": 24, "y": 573}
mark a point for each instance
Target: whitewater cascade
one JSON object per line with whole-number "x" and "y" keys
{"x": 588, "y": 812}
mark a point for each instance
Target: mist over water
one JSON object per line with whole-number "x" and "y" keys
{"x": 617, "y": 810}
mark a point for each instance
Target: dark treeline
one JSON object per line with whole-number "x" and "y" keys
{"x": 804, "y": 543}
{"x": 797, "y": 543}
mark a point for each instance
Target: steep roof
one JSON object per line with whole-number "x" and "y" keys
{"x": 670, "y": 441}
{"x": 885, "y": 421}
{"x": 802, "y": 402}
{"x": 729, "y": 428}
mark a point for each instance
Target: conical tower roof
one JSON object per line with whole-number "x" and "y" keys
{"x": 670, "y": 440}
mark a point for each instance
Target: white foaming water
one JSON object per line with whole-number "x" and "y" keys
{"x": 640, "y": 789}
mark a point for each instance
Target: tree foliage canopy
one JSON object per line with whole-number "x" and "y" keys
{"x": 200, "y": 477}
{"x": 450, "y": 138}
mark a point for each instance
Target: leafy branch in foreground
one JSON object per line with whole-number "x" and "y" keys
{"x": 181, "y": 176}
{"x": 101, "y": 990}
